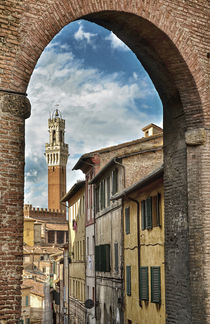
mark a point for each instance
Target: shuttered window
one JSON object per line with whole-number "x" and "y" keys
{"x": 114, "y": 181}
{"x": 144, "y": 287}
{"x": 148, "y": 211}
{"x": 158, "y": 209}
{"x": 97, "y": 253}
{"x": 127, "y": 220}
{"x": 108, "y": 191}
{"x": 128, "y": 280}
{"x": 155, "y": 285}
{"x": 97, "y": 199}
{"x": 116, "y": 256}
{"x": 143, "y": 221}
{"x": 27, "y": 300}
{"x": 102, "y": 186}
{"x": 102, "y": 258}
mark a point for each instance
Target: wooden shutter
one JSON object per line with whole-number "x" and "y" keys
{"x": 144, "y": 288}
{"x": 127, "y": 220}
{"x": 155, "y": 285}
{"x": 114, "y": 181}
{"x": 143, "y": 215}
{"x": 128, "y": 280}
{"x": 97, "y": 199}
{"x": 97, "y": 248}
{"x": 108, "y": 191}
{"x": 107, "y": 257}
{"x": 116, "y": 256}
{"x": 102, "y": 186}
{"x": 149, "y": 213}
{"x": 158, "y": 209}
{"x": 27, "y": 301}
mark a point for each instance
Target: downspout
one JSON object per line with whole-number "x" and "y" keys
{"x": 138, "y": 240}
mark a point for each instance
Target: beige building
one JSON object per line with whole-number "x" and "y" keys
{"x": 32, "y": 302}
{"x": 76, "y": 206}
{"x": 144, "y": 270}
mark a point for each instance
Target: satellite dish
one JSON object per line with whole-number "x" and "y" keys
{"x": 89, "y": 303}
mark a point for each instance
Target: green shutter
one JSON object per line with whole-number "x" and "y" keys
{"x": 148, "y": 208}
{"x": 103, "y": 258}
{"x": 143, "y": 215}
{"x": 144, "y": 288}
{"x": 107, "y": 257}
{"x": 158, "y": 208}
{"x": 128, "y": 280}
{"x": 155, "y": 285}
{"x": 116, "y": 256}
{"x": 97, "y": 258}
{"x": 27, "y": 301}
{"x": 127, "y": 220}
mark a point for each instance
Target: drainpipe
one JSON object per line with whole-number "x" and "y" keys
{"x": 138, "y": 240}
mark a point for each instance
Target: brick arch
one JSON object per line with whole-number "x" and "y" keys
{"x": 141, "y": 25}
{"x": 167, "y": 38}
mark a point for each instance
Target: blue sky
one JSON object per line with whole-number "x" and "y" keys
{"x": 102, "y": 90}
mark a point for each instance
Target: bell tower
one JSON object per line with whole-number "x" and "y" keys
{"x": 56, "y": 153}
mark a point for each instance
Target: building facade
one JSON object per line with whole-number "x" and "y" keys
{"x": 144, "y": 258}
{"x": 76, "y": 270}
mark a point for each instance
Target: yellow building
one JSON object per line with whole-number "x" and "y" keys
{"x": 76, "y": 205}
{"x": 28, "y": 236}
{"x": 144, "y": 277}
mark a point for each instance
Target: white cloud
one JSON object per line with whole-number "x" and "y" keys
{"x": 81, "y": 35}
{"x": 100, "y": 110}
{"x": 116, "y": 43}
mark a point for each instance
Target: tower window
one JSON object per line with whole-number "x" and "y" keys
{"x": 53, "y": 136}
{"x": 61, "y": 136}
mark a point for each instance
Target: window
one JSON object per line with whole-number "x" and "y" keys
{"x": 114, "y": 181}
{"x": 151, "y": 212}
{"x": 102, "y": 258}
{"x": 144, "y": 288}
{"x": 102, "y": 194}
{"x": 27, "y": 320}
{"x": 128, "y": 280}
{"x": 88, "y": 246}
{"x": 108, "y": 191}
{"x": 60, "y": 237}
{"x": 54, "y": 267}
{"x": 51, "y": 237}
{"x": 155, "y": 285}
{"x": 97, "y": 199}
{"x": 116, "y": 256}
{"x": 27, "y": 300}
{"x": 88, "y": 292}
{"x": 127, "y": 220}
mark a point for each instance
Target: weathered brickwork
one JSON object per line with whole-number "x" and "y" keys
{"x": 171, "y": 40}
{"x": 12, "y": 130}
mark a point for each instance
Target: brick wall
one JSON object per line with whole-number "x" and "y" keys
{"x": 171, "y": 40}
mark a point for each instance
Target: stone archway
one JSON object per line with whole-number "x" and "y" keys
{"x": 171, "y": 42}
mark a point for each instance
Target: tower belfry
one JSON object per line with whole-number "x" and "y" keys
{"x": 56, "y": 153}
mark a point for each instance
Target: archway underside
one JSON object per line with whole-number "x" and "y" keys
{"x": 185, "y": 158}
